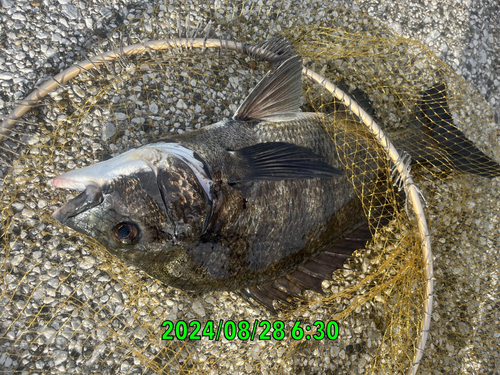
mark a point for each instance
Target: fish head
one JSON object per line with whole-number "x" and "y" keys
{"x": 141, "y": 205}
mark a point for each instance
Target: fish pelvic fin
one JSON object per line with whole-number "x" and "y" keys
{"x": 309, "y": 276}
{"x": 445, "y": 145}
{"x": 278, "y": 93}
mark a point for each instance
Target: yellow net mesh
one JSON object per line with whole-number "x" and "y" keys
{"x": 68, "y": 306}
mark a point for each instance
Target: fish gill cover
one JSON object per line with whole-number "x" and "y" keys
{"x": 69, "y": 306}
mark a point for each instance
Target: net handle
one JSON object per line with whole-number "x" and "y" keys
{"x": 412, "y": 191}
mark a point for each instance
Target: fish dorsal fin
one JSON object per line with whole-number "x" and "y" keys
{"x": 275, "y": 50}
{"x": 278, "y": 93}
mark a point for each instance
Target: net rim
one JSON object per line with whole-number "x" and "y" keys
{"x": 411, "y": 190}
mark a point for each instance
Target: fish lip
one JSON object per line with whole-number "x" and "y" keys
{"x": 91, "y": 196}
{"x": 66, "y": 183}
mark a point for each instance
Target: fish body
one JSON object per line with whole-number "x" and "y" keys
{"x": 235, "y": 204}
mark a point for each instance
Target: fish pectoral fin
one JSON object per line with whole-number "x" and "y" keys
{"x": 309, "y": 276}
{"x": 275, "y": 161}
{"x": 279, "y": 92}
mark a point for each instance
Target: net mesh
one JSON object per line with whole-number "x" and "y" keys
{"x": 69, "y": 306}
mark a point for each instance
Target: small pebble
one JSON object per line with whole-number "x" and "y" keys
{"x": 69, "y": 11}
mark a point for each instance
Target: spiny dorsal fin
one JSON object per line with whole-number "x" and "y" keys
{"x": 275, "y": 50}
{"x": 278, "y": 93}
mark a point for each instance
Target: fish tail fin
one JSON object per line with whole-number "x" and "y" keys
{"x": 432, "y": 137}
{"x": 309, "y": 276}
{"x": 444, "y": 145}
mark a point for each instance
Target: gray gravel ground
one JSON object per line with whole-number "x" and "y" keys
{"x": 465, "y": 34}
{"x": 39, "y": 38}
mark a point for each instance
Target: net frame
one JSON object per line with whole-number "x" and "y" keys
{"x": 401, "y": 163}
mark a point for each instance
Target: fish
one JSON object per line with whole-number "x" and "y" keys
{"x": 432, "y": 138}
{"x": 262, "y": 203}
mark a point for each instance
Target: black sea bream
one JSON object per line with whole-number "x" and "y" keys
{"x": 234, "y": 205}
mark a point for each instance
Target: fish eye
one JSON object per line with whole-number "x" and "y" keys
{"x": 125, "y": 233}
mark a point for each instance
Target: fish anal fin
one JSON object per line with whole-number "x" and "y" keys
{"x": 332, "y": 259}
{"x": 276, "y": 293}
{"x": 287, "y": 286}
{"x": 307, "y": 281}
{"x": 310, "y": 275}
{"x": 261, "y": 297}
{"x": 319, "y": 270}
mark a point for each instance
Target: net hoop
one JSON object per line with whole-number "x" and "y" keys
{"x": 412, "y": 191}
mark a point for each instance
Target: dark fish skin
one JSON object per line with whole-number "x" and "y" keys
{"x": 247, "y": 201}
{"x": 257, "y": 230}
{"x": 263, "y": 229}
{"x": 277, "y": 194}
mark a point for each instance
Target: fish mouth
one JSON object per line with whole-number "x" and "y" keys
{"x": 91, "y": 196}
{"x": 90, "y": 180}
{"x": 65, "y": 183}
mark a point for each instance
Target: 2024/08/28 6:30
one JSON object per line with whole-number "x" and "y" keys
{"x": 277, "y": 330}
